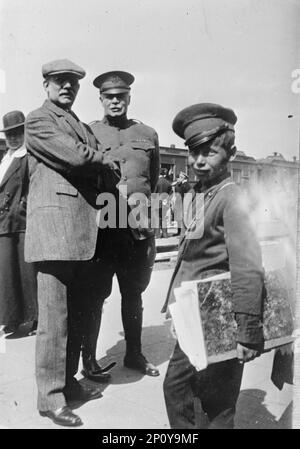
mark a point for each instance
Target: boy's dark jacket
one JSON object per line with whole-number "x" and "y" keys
{"x": 228, "y": 243}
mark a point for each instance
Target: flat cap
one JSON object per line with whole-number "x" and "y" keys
{"x": 114, "y": 82}
{"x": 201, "y": 122}
{"x": 62, "y": 66}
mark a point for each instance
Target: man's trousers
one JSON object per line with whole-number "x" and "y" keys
{"x": 217, "y": 387}
{"x": 132, "y": 262}
{"x": 65, "y": 290}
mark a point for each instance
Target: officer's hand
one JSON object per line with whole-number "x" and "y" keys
{"x": 245, "y": 354}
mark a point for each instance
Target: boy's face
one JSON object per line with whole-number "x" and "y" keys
{"x": 208, "y": 161}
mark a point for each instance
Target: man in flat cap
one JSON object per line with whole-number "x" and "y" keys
{"x": 224, "y": 242}
{"x": 61, "y": 237}
{"x": 128, "y": 253}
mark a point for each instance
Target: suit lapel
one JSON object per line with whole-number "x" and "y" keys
{"x": 76, "y": 125}
{"x": 14, "y": 166}
{"x": 70, "y": 119}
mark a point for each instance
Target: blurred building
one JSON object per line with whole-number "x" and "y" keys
{"x": 174, "y": 160}
{"x": 275, "y": 171}
{"x": 246, "y": 171}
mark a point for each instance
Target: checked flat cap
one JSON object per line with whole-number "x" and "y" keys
{"x": 62, "y": 66}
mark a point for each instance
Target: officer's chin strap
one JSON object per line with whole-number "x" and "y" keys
{"x": 194, "y": 141}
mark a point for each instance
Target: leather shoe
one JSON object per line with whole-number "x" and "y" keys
{"x": 63, "y": 417}
{"x": 81, "y": 393}
{"x": 93, "y": 371}
{"x": 140, "y": 363}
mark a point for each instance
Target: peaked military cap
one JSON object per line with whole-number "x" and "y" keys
{"x": 114, "y": 82}
{"x": 62, "y": 66}
{"x": 12, "y": 120}
{"x": 202, "y": 122}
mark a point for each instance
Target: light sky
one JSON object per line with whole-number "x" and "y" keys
{"x": 239, "y": 53}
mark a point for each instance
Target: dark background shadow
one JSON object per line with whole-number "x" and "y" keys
{"x": 157, "y": 346}
{"x": 252, "y": 413}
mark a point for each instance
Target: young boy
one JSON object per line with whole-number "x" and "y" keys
{"x": 226, "y": 243}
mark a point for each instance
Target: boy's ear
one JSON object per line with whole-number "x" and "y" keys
{"x": 232, "y": 153}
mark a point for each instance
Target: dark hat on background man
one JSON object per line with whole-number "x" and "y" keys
{"x": 202, "y": 122}
{"x": 115, "y": 82}
{"x": 60, "y": 66}
{"x": 12, "y": 120}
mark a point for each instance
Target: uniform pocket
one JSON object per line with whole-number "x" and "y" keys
{"x": 142, "y": 145}
{"x": 66, "y": 189}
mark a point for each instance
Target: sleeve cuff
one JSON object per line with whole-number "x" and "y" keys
{"x": 249, "y": 329}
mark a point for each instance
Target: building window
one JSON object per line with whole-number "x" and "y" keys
{"x": 171, "y": 170}
{"x": 236, "y": 175}
{"x": 246, "y": 172}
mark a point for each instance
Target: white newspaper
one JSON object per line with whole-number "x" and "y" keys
{"x": 187, "y": 322}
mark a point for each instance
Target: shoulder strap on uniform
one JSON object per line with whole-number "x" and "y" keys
{"x": 227, "y": 184}
{"x": 137, "y": 121}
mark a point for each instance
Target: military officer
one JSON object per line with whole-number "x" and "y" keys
{"x": 227, "y": 243}
{"x": 127, "y": 252}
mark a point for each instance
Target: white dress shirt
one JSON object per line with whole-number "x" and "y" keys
{"x": 8, "y": 158}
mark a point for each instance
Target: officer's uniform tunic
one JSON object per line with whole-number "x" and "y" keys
{"x": 128, "y": 253}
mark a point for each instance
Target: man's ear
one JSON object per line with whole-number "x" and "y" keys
{"x": 45, "y": 84}
{"x": 129, "y": 98}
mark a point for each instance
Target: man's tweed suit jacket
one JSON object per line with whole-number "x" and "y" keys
{"x": 64, "y": 165}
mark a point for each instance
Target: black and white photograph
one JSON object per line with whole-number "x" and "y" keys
{"x": 149, "y": 217}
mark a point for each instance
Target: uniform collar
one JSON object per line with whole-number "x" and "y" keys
{"x": 116, "y": 122}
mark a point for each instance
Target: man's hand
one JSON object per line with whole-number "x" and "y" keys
{"x": 113, "y": 165}
{"x": 245, "y": 354}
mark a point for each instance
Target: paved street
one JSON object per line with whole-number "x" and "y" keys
{"x": 131, "y": 400}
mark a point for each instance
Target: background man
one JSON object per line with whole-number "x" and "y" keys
{"x": 129, "y": 253}
{"x": 18, "y": 302}
{"x": 228, "y": 243}
{"x": 61, "y": 236}
{"x": 164, "y": 188}
{"x": 181, "y": 187}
